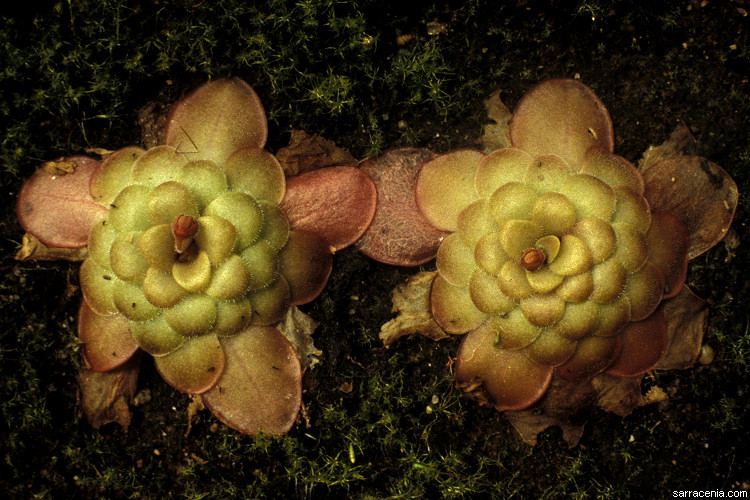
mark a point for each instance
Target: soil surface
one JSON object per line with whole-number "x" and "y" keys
{"x": 376, "y": 422}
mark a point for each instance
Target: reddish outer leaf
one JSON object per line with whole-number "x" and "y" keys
{"x": 58, "y": 208}
{"x": 643, "y": 344}
{"x": 107, "y": 341}
{"x": 337, "y": 203}
{"x": 563, "y": 117}
{"x": 261, "y": 387}
{"x": 668, "y": 243}
{"x": 698, "y": 192}
{"x": 306, "y": 262}
{"x": 399, "y": 234}
{"x": 217, "y": 119}
{"x": 510, "y": 379}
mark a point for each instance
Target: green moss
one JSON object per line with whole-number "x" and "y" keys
{"x": 73, "y": 75}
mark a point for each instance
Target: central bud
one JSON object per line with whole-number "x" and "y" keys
{"x": 184, "y": 228}
{"x": 532, "y": 259}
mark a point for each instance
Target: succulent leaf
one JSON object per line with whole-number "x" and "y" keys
{"x": 57, "y": 207}
{"x": 445, "y": 187}
{"x": 261, "y": 385}
{"x": 337, "y": 203}
{"x": 562, "y": 117}
{"x": 510, "y": 378}
{"x": 306, "y": 263}
{"x": 217, "y": 119}
{"x": 399, "y": 234}
{"x": 256, "y": 172}
{"x": 195, "y": 366}
{"x": 107, "y": 341}
{"x": 113, "y": 174}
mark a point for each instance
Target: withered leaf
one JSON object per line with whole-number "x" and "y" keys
{"x": 686, "y": 321}
{"x": 298, "y": 328}
{"x": 308, "y": 152}
{"x": 195, "y": 405}
{"x": 681, "y": 142}
{"x": 107, "y": 397}
{"x": 411, "y": 301}
{"x": 567, "y": 404}
{"x": 33, "y": 249}
{"x": 619, "y": 395}
{"x": 496, "y": 132}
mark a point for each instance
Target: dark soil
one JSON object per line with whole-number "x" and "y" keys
{"x": 368, "y": 75}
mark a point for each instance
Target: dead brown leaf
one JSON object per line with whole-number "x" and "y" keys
{"x": 298, "y": 327}
{"x": 618, "y": 395}
{"x": 107, "y": 397}
{"x": 567, "y": 404}
{"x": 681, "y": 142}
{"x": 496, "y": 133}
{"x": 33, "y": 249}
{"x": 686, "y": 321}
{"x": 195, "y": 405}
{"x": 308, "y": 152}
{"x": 412, "y": 303}
{"x": 59, "y": 167}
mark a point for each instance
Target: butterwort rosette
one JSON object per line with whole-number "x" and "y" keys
{"x": 554, "y": 254}
{"x": 197, "y": 248}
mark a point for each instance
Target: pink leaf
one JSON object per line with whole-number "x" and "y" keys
{"x": 217, "y": 119}
{"x": 399, "y": 234}
{"x": 562, "y": 117}
{"x": 337, "y": 203}
{"x": 107, "y": 341}
{"x": 56, "y": 206}
{"x": 261, "y": 387}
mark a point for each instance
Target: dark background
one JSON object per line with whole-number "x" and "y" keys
{"x": 368, "y": 75}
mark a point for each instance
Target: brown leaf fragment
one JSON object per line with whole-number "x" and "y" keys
{"x": 59, "y": 167}
{"x": 496, "y": 132}
{"x": 681, "y": 142}
{"x": 619, "y": 395}
{"x": 567, "y": 404}
{"x": 308, "y": 152}
{"x": 298, "y": 328}
{"x": 195, "y": 405}
{"x": 686, "y": 321}
{"x": 100, "y": 152}
{"x": 411, "y": 301}
{"x": 106, "y": 397}
{"x": 33, "y": 249}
